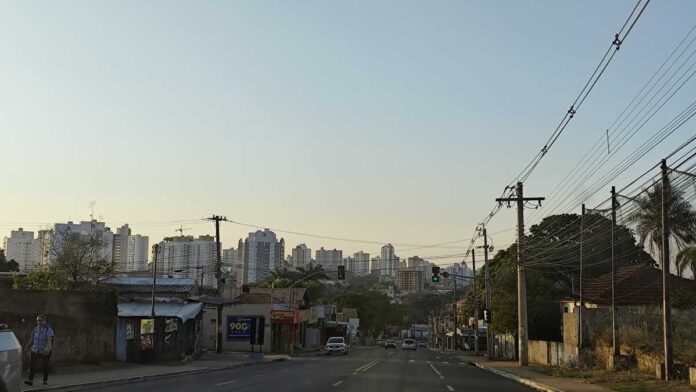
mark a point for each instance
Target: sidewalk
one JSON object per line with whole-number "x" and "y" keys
{"x": 115, "y": 373}
{"x": 538, "y": 381}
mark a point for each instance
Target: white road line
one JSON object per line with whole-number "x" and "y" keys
{"x": 369, "y": 367}
{"x": 337, "y": 383}
{"x": 364, "y": 366}
{"x": 445, "y": 363}
{"x": 412, "y": 360}
{"x": 437, "y": 357}
{"x": 257, "y": 375}
{"x": 437, "y": 371}
{"x": 429, "y": 361}
{"x": 226, "y": 382}
{"x": 449, "y": 387}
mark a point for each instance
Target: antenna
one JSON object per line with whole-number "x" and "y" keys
{"x": 91, "y": 206}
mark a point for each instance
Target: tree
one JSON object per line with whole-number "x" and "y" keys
{"x": 687, "y": 259}
{"x": 79, "y": 258}
{"x": 648, "y": 218}
{"x": 45, "y": 277}
{"x": 7, "y": 265}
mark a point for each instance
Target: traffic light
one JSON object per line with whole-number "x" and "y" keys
{"x": 487, "y": 316}
{"x": 341, "y": 272}
{"x": 436, "y": 274}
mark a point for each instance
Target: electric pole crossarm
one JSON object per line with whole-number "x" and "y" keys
{"x": 522, "y": 326}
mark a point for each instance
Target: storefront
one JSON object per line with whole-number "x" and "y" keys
{"x": 173, "y": 333}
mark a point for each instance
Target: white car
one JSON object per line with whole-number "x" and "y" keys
{"x": 409, "y": 344}
{"x": 336, "y": 345}
{"x": 10, "y": 361}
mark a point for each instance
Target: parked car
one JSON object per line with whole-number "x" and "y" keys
{"x": 10, "y": 361}
{"x": 336, "y": 344}
{"x": 390, "y": 344}
{"x": 409, "y": 344}
{"x": 421, "y": 343}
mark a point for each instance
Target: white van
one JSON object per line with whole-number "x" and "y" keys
{"x": 10, "y": 361}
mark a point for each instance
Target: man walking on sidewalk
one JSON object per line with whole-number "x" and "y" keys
{"x": 41, "y": 343}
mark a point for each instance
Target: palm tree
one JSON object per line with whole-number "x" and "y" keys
{"x": 648, "y": 218}
{"x": 687, "y": 258}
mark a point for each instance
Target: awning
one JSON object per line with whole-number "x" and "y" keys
{"x": 184, "y": 311}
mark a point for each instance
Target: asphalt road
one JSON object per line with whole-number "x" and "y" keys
{"x": 362, "y": 370}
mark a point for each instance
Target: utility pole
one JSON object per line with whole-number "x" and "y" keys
{"x": 614, "y": 324}
{"x": 476, "y": 342}
{"x": 489, "y": 344}
{"x": 454, "y": 312}
{"x": 154, "y": 279}
{"x": 582, "y": 304}
{"x": 666, "y": 303}
{"x": 218, "y": 277}
{"x": 523, "y": 337}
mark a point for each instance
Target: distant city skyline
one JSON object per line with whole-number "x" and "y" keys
{"x": 350, "y": 120}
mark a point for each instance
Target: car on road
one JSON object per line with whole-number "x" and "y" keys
{"x": 390, "y": 344}
{"x": 409, "y": 344}
{"x": 10, "y": 361}
{"x": 421, "y": 343}
{"x": 336, "y": 344}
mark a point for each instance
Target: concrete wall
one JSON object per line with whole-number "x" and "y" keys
{"x": 504, "y": 346}
{"x": 552, "y": 353}
{"x": 84, "y": 322}
{"x": 208, "y": 327}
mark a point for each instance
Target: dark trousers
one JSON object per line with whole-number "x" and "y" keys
{"x": 35, "y": 359}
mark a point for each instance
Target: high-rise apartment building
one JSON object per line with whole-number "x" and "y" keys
{"x": 359, "y": 264}
{"x": 120, "y": 248}
{"x": 188, "y": 257}
{"x": 410, "y": 280}
{"x": 263, "y": 252}
{"x": 137, "y": 247}
{"x": 329, "y": 259}
{"x": 21, "y": 247}
{"x": 301, "y": 256}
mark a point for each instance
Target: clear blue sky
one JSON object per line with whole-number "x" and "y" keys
{"x": 394, "y": 121}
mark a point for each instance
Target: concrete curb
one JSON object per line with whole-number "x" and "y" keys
{"x": 521, "y": 380}
{"x": 149, "y": 377}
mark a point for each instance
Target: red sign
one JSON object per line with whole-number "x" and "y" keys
{"x": 283, "y": 317}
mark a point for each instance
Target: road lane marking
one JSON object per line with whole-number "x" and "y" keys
{"x": 257, "y": 375}
{"x": 226, "y": 382}
{"x": 437, "y": 371}
{"x": 337, "y": 383}
{"x": 450, "y": 388}
{"x": 364, "y": 366}
{"x": 412, "y": 360}
{"x": 445, "y": 363}
{"x": 370, "y": 367}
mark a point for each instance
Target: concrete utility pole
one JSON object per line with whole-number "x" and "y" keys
{"x": 582, "y": 304}
{"x": 523, "y": 337}
{"x": 154, "y": 279}
{"x": 476, "y": 331}
{"x": 218, "y": 277}
{"x": 666, "y": 303}
{"x": 614, "y": 324}
{"x": 454, "y": 312}
{"x": 489, "y": 344}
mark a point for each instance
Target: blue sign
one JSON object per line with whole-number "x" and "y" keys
{"x": 238, "y": 327}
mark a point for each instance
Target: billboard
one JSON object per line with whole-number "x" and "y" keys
{"x": 283, "y": 317}
{"x": 239, "y": 327}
